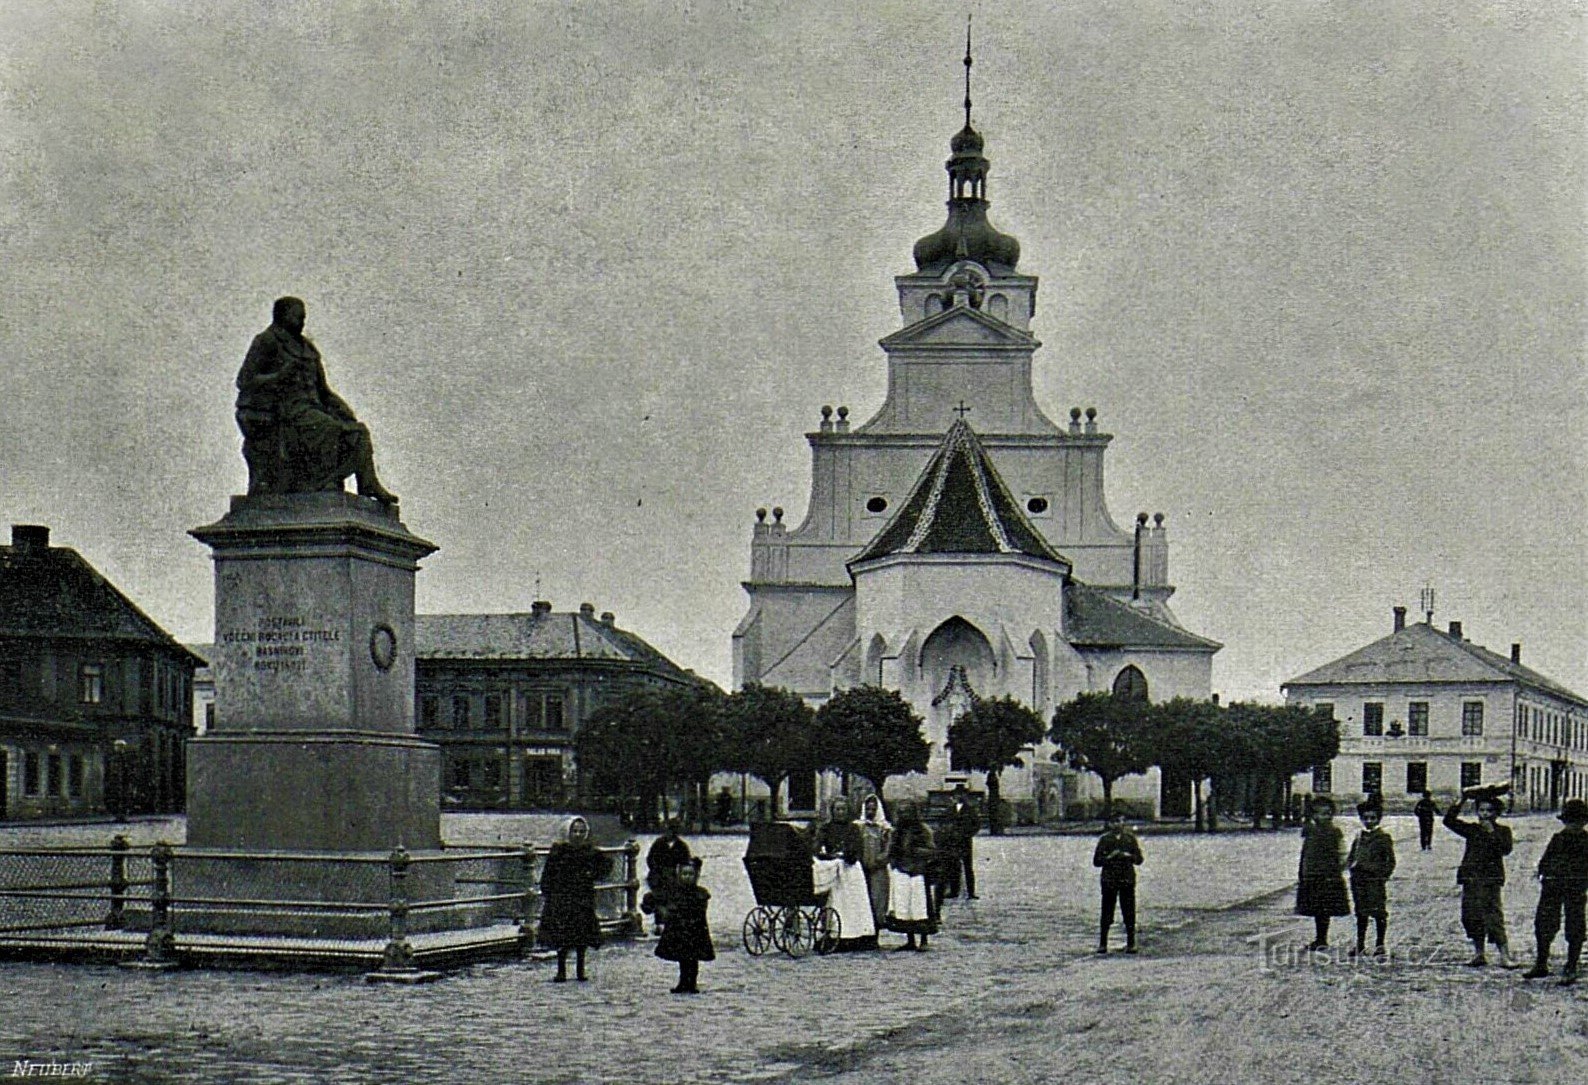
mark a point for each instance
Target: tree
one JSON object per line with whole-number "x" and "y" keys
{"x": 769, "y": 733}
{"x": 1268, "y": 744}
{"x": 614, "y": 750}
{"x": 1188, "y": 737}
{"x": 1104, "y": 735}
{"x": 988, "y": 737}
{"x": 872, "y": 732}
{"x": 692, "y": 716}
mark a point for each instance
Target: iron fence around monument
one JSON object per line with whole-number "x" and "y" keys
{"x": 398, "y": 911}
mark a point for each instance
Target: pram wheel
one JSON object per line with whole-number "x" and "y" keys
{"x": 760, "y": 931}
{"x": 796, "y": 935}
{"x": 826, "y": 930}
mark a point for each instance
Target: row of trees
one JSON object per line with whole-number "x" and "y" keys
{"x": 672, "y": 741}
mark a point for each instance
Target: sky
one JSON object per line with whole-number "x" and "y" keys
{"x": 589, "y": 271}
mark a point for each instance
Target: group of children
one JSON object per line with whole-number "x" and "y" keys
{"x": 1563, "y": 870}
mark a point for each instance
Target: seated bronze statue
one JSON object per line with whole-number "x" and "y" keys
{"x": 298, "y": 435}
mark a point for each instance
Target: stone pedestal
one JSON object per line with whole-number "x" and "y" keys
{"x": 313, "y": 746}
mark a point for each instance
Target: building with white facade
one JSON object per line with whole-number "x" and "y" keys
{"x": 958, "y": 543}
{"x": 1425, "y": 708}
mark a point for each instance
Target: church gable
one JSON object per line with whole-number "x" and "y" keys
{"x": 960, "y": 327}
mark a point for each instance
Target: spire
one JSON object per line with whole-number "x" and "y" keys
{"x": 967, "y": 235}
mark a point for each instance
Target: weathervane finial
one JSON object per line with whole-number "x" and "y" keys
{"x": 967, "y": 70}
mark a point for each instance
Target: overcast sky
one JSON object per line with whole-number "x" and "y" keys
{"x": 589, "y": 271}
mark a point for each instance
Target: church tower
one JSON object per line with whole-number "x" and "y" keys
{"x": 957, "y": 544}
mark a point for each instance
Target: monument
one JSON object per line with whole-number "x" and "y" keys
{"x": 313, "y": 750}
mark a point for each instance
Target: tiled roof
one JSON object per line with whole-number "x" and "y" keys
{"x": 959, "y": 506}
{"x": 51, "y": 591}
{"x": 1421, "y": 653}
{"x": 541, "y": 635}
{"x": 1095, "y": 619}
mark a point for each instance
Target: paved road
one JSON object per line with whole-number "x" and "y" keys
{"x": 1010, "y": 992}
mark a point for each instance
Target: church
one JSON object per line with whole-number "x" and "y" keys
{"x": 958, "y": 543}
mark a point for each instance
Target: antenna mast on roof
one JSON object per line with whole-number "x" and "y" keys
{"x": 1426, "y": 598}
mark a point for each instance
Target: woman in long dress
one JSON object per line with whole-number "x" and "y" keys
{"x": 909, "y": 907}
{"x": 568, "y": 881}
{"x": 838, "y": 850}
{"x": 876, "y": 836}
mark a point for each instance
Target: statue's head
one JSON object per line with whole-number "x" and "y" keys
{"x": 289, "y": 313}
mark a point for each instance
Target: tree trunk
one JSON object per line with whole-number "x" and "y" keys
{"x": 1196, "y": 803}
{"x": 1213, "y": 805}
{"x": 995, "y": 823}
{"x": 1255, "y": 803}
{"x": 1108, "y": 798}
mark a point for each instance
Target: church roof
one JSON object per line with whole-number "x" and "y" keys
{"x": 52, "y": 591}
{"x": 1420, "y": 653}
{"x": 538, "y": 635}
{"x": 959, "y": 506}
{"x": 1095, "y": 619}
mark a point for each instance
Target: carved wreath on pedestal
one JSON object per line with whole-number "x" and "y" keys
{"x": 383, "y": 646}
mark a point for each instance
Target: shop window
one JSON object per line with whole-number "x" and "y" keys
{"x": 458, "y": 773}
{"x": 492, "y": 780}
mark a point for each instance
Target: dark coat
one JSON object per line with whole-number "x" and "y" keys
{"x": 1426, "y": 810}
{"x": 1484, "y": 860}
{"x": 1118, "y": 852}
{"x": 1320, "y": 886}
{"x": 681, "y": 911}
{"x": 1372, "y": 861}
{"x": 1566, "y": 858}
{"x": 568, "y": 917}
{"x": 913, "y": 848}
{"x": 966, "y": 822}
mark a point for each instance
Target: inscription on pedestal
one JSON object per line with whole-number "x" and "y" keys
{"x": 283, "y": 644}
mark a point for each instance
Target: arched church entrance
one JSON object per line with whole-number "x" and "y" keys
{"x": 958, "y": 665}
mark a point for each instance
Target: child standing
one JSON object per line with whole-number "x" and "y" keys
{"x": 1118, "y": 853}
{"x": 568, "y": 917}
{"x": 1371, "y": 862}
{"x": 1320, "y": 888}
{"x": 681, "y": 912}
{"x": 1564, "y": 872}
{"x": 1481, "y": 874}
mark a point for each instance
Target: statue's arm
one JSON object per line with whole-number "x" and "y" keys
{"x": 330, "y": 400}
{"x": 261, "y": 368}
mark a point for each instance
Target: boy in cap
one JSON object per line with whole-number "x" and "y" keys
{"x": 1481, "y": 874}
{"x": 1118, "y": 853}
{"x": 1371, "y": 861}
{"x": 1564, "y": 873}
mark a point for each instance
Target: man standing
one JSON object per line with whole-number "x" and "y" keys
{"x": 966, "y": 822}
{"x": 1482, "y": 873}
{"x": 298, "y": 435}
{"x": 1118, "y": 853}
{"x": 1426, "y": 810}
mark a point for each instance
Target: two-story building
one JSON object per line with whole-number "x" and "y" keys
{"x": 95, "y": 698}
{"x": 1427, "y": 709}
{"x": 505, "y": 694}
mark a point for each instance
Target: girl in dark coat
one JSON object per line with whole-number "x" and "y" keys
{"x": 1371, "y": 862}
{"x": 681, "y": 912}
{"x": 1320, "y": 888}
{"x": 568, "y": 897}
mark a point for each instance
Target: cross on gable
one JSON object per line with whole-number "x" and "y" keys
{"x": 961, "y": 410}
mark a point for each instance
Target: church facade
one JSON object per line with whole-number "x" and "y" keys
{"x": 958, "y": 544}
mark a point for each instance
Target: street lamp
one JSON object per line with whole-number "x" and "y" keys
{"x": 118, "y": 773}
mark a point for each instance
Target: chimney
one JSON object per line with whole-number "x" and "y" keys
{"x": 608, "y": 618}
{"x": 30, "y": 538}
{"x": 1455, "y": 630}
{"x": 540, "y": 607}
{"x": 1400, "y": 619}
{"x": 1516, "y": 653}
{"x": 587, "y": 610}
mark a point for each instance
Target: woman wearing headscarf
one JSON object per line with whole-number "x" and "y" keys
{"x": 910, "y": 910}
{"x": 568, "y": 881}
{"x": 838, "y": 870}
{"x": 876, "y": 836}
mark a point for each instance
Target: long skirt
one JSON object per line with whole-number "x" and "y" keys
{"x": 877, "y": 883}
{"x": 909, "y": 909}
{"x": 848, "y": 895}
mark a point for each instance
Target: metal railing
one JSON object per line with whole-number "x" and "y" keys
{"x": 62, "y": 896}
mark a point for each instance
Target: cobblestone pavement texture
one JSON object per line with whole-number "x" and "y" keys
{"x": 1009, "y": 992}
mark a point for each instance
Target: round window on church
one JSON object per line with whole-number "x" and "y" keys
{"x": 1037, "y": 506}
{"x": 877, "y": 505}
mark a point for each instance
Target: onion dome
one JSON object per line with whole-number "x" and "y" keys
{"x": 967, "y": 235}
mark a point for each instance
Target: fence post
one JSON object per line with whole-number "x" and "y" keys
{"x": 631, "y": 888}
{"x": 397, "y": 964}
{"x": 159, "y": 947}
{"x": 526, "y": 920}
{"x": 116, "y": 918}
